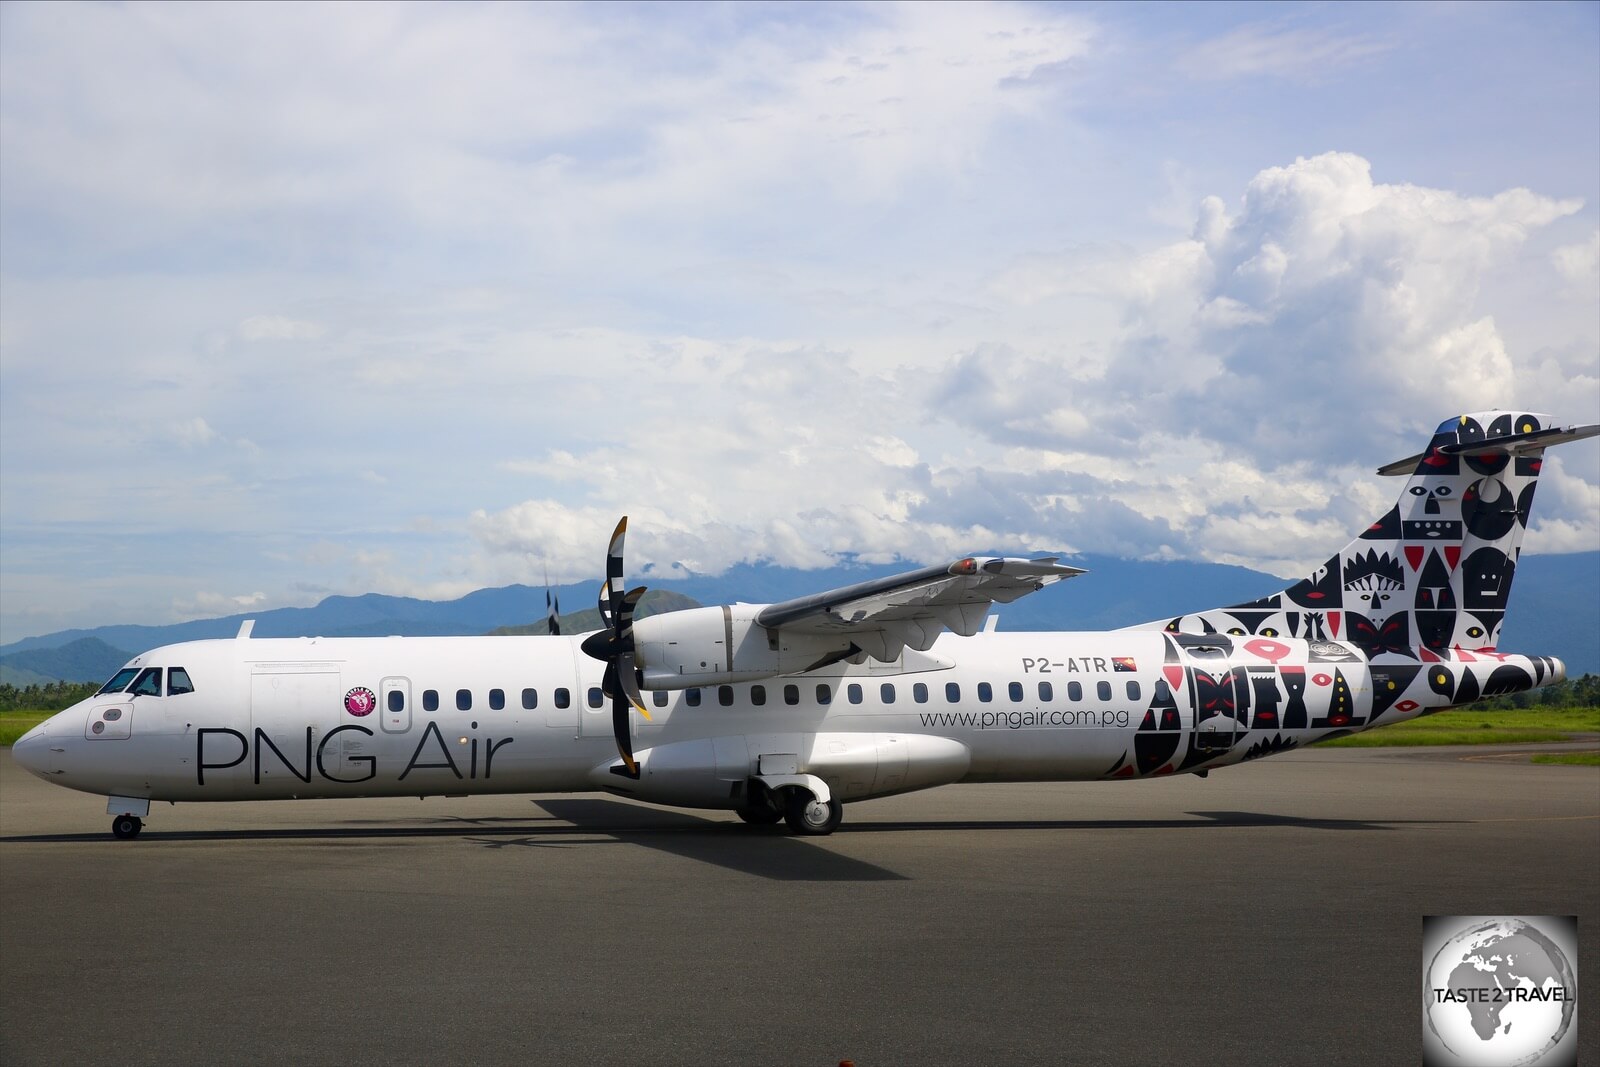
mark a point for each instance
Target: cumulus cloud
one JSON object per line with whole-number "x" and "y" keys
{"x": 1263, "y": 368}
{"x": 1323, "y": 291}
{"x": 1579, "y": 264}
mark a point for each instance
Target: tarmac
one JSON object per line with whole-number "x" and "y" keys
{"x": 1270, "y": 914}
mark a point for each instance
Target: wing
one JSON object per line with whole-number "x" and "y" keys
{"x": 886, "y": 614}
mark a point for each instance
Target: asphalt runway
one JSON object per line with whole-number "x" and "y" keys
{"x": 1270, "y": 914}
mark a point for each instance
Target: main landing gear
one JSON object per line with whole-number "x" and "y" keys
{"x": 126, "y": 827}
{"x": 810, "y": 817}
{"x": 795, "y": 805}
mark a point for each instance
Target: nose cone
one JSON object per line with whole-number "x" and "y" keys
{"x": 31, "y": 750}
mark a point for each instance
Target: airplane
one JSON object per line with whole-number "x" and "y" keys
{"x": 787, "y": 711}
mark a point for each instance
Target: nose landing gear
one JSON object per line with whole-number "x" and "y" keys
{"x": 126, "y": 827}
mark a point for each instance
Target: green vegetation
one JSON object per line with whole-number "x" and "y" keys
{"x": 13, "y": 724}
{"x": 52, "y": 696}
{"x": 1479, "y": 726}
{"x": 21, "y": 709}
{"x": 1581, "y": 759}
{"x": 1555, "y": 713}
{"x": 1581, "y": 692}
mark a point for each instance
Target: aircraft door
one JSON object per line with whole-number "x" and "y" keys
{"x": 1218, "y": 695}
{"x": 394, "y": 702}
{"x": 596, "y": 716}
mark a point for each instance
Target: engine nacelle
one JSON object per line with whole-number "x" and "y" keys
{"x": 709, "y": 773}
{"x": 722, "y": 645}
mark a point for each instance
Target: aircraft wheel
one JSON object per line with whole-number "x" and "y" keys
{"x": 808, "y": 816}
{"x": 126, "y": 827}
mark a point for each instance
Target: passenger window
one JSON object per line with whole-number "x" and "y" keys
{"x": 1133, "y": 690}
{"x": 530, "y": 699}
{"x": 148, "y": 683}
{"x": 397, "y": 700}
{"x": 178, "y": 682}
{"x": 758, "y": 695}
{"x": 791, "y": 695}
{"x": 1015, "y": 692}
{"x": 886, "y": 691}
{"x": 824, "y": 695}
{"x": 463, "y": 700}
{"x": 430, "y": 700}
{"x": 119, "y": 681}
{"x": 497, "y": 700}
{"x": 919, "y": 693}
{"x": 659, "y": 698}
{"x": 596, "y": 697}
{"x": 1103, "y": 690}
{"x": 1047, "y": 692}
{"x": 854, "y": 692}
{"x": 563, "y": 698}
{"x": 725, "y": 695}
{"x": 952, "y": 692}
{"x": 1163, "y": 692}
{"x": 985, "y": 692}
{"x": 1074, "y": 691}
{"x": 691, "y": 697}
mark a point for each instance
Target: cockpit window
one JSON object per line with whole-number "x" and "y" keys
{"x": 178, "y": 682}
{"x": 148, "y": 683}
{"x": 119, "y": 681}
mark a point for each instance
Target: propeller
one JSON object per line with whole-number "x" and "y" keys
{"x": 613, "y": 646}
{"x": 552, "y": 608}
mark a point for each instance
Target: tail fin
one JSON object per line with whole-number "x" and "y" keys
{"x": 1435, "y": 572}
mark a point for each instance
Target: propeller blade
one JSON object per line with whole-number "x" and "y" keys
{"x": 628, "y": 675}
{"x": 624, "y": 619}
{"x": 622, "y": 727}
{"x": 552, "y": 610}
{"x": 614, "y": 582}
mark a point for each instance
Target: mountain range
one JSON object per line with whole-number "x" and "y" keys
{"x": 1555, "y": 610}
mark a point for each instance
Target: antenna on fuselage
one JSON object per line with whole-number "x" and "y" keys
{"x": 244, "y": 629}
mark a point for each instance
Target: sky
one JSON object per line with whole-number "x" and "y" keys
{"x": 298, "y": 300}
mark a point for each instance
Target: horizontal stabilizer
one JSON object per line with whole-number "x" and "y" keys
{"x": 1513, "y": 445}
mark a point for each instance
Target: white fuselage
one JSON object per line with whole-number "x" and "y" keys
{"x": 313, "y": 717}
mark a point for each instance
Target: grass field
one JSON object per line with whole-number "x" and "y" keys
{"x": 1466, "y": 727}
{"x": 1581, "y": 759}
{"x": 13, "y": 724}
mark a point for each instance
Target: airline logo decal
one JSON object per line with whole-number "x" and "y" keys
{"x": 360, "y": 701}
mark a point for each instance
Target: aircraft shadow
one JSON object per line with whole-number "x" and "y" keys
{"x": 768, "y": 852}
{"x": 1211, "y": 820}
